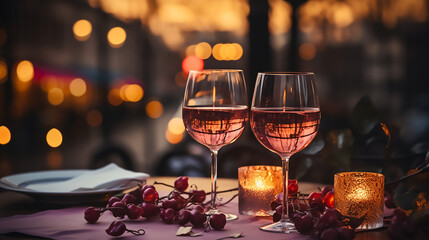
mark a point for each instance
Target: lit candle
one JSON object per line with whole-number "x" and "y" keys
{"x": 359, "y": 194}
{"x": 258, "y": 186}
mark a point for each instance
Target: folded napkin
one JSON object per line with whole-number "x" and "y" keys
{"x": 110, "y": 176}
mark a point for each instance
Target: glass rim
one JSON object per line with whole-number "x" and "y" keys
{"x": 356, "y": 174}
{"x": 287, "y": 73}
{"x": 215, "y": 70}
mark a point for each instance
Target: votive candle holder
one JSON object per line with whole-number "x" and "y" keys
{"x": 359, "y": 194}
{"x": 257, "y": 188}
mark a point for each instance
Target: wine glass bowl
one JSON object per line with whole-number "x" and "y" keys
{"x": 215, "y": 113}
{"x": 285, "y": 118}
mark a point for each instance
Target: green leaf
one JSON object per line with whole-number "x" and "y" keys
{"x": 315, "y": 146}
{"x": 187, "y": 231}
{"x": 338, "y": 148}
{"x": 404, "y": 197}
{"x": 419, "y": 180}
{"x": 364, "y": 116}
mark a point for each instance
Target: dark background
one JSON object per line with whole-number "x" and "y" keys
{"x": 376, "y": 49}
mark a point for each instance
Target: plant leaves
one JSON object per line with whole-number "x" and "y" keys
{"x": 404, "y": 197}
{"x": 338, "y": 147}
{"x": 353, "y": 222}
{"x": 187, "y": 231}
{"x": 315, "y": 146}
{"x": 236, "y": 235}
{"x": 364, "y": 116}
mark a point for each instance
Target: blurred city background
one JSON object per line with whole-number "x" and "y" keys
{"x": 87, "y": 82}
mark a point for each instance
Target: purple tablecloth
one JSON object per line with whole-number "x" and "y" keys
{"x": 68, "y": 223}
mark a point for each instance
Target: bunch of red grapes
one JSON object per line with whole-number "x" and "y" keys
{"x": 178, "y": 206}
{"x": 315, "y": 214}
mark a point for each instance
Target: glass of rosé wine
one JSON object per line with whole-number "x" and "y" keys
{"x": 215, "y": 113}
{"x": 284, "y": 117}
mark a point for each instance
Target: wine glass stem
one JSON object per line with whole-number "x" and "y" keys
{"x": 214, "y": 178}
{"x": 285, "y": 168}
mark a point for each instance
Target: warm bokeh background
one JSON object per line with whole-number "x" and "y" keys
{"x": 83, "y": 83}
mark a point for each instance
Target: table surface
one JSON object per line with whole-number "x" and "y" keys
{"x": 12, "y": 203}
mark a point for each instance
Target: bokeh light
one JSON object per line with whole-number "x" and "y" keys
{"x": 5, "y": 135}
{"x": 176, "y": 126}
{"x": 94, "y": 118}
{"x": 307, "y": 51}
{"x": 77, "y": 87}
{"x": 227, "y": 51}
{"x": 133, "y": 93}
{"x": 3, "y": 71}
{"x": 203, "y": 50}
{"x": 190, "y": 50}
{"x": 82, "y": 30}
{"x": 54, "y": 138}
{"x": 154, "y": 109}
{"x": 25, "y": 71}
{"x": 114, "y": 97}
{"x": 116, "y": 37}
{"x": 192, "y": 63}
{"x": 54, "y": 160}
{"x": 173, "y": 138}
{"x": 55, "y": 96}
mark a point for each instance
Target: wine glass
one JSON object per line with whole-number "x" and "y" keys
{"x": 215, "y": 113}
{"x": 285, "y": 117}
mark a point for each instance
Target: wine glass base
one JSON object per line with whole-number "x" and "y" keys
{"x": 280, "y": 227}
{"x": 229, "y": 216}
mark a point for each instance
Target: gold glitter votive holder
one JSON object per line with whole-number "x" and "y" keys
{"x": 257, "y": 188}
{"x": 359, "y": 194}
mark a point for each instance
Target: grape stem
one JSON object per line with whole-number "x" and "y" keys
{"x": 137, "y": 232}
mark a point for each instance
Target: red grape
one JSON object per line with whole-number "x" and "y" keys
{"x": 172, "y": 203}
{"x": 274, "y": 205}
{"x": 329, "y": 234}
{"x": 181, "y": 201}
{"x": 119, "y": 209}
{"x": 167, "y": 215}
{"x": 133, "y": 211}
{"x": 112, "y": 200}
{"x": 276, "y": 217}
{"x": 137, "y": 193}
{"x": 198, "y": 208}
{"x": 328, "y": 200}
{"x": 129, "y": 198}
{"x": 183, "y": 217}
{"x": 146, "y": 187}
{"x": 315, "y": 197}
{"x": 325, "y": 190}
{"x": 150, "y": 195}
{"x": 330, "y": 217}
{"x": 304, "y": 224}
{"x": 346, "y": 233}
{"x": 198, "y": 218}
{"x": 197, "y": 196}
{"x": 181, "y": 184}
{"x": 292, "y": 186}
{"x": 92, "y": 214}
{"x": 217, "y": 221}
{"x": 116, "y": 228}
{"x": 149, "y": 210}
{"x": 388, "y": 201}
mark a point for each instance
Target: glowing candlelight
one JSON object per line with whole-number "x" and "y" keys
{"x": 359, "y": 194}
{"x": 258, "y": 186}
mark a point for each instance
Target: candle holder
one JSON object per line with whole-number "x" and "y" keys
{"x": 257, "y": 188}
{"x": 359, "y": 194}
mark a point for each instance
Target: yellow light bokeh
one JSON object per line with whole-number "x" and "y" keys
{"x": 203, "y": 50}
{"x": 55, "y": 96}
{"x": 176, "y": 126}
{"x": 216, "y": 51}
{"x": 116, "y": 37}
{"x": 25, "y": 71}
{"x": 77, "y": 87}
{"x": 3, "y": 71}
{"x": 238, "y": 51}
{"x": 190, "y": 50}
{"x": 114, "y": 97}
{"x": 54, "y": 138}
{"x": 94, "y": 118}
{"x": 307, "y": 51}
{"x": 154, "y": 109}
{"x": 5, "y": 135}
{"x": 173, "y": 138}
{"x": 82, "y": 30}
{"x": 133, "y": 93}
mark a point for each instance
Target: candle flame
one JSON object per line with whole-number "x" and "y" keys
{"x": 284, "y": 100}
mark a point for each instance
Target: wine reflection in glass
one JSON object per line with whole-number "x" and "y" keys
{"x": 215, "y": 113}
{"x": 285, "y": 117}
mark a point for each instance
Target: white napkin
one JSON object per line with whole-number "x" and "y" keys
{"x": 110, "y": 176}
